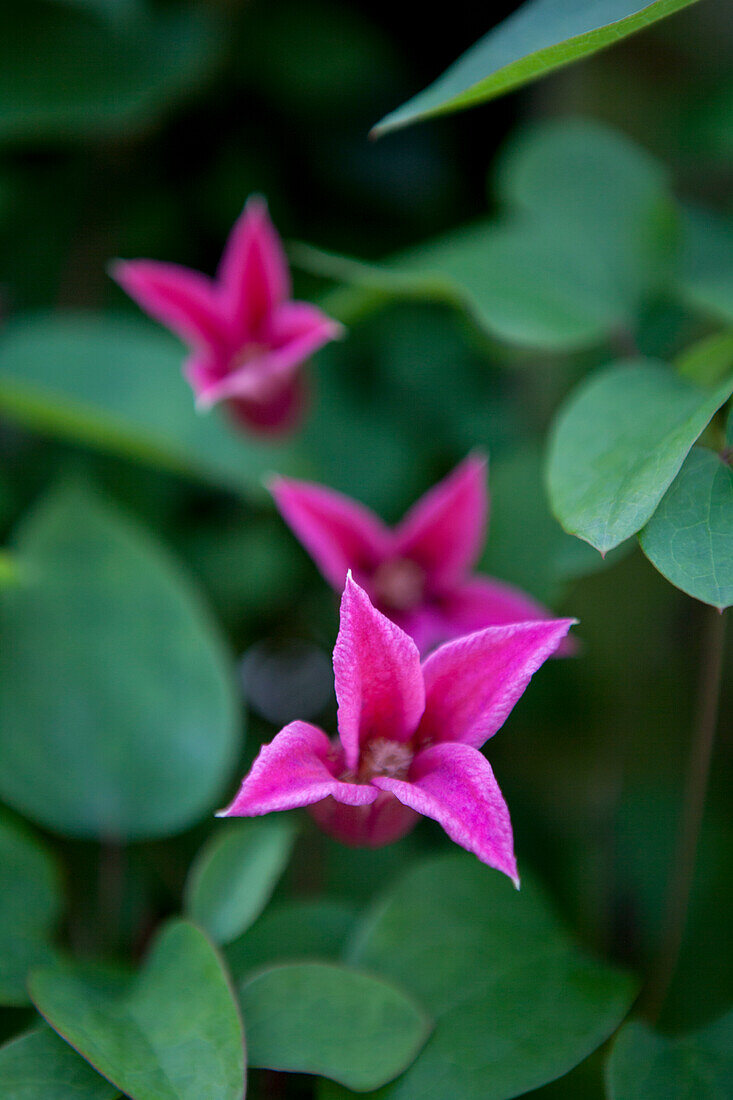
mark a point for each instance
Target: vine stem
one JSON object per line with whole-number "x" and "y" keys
{"x": 698, "y": 772}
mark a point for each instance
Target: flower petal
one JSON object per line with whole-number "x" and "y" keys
{"x": 379, "y": 684}
{"x": 183, "y": 300}
{"x": 293, "y": 770}
{"x": 337, "y": 532}
{"x": 298, "y": 329}
{"x": 472, "y": 683}
{"x": 253, "y": 271}
{"x": 484, "y": 601}
{"x": 454, "y": 785}
{"x": 279, "y": 414}
{"x": 444, "y": 530}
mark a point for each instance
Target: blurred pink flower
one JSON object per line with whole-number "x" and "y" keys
{"x": 419, "y": 573}
{"x": 409, "y": 735}
{"x": 247, "y": 337}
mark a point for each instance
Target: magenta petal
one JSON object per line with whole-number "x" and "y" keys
{"x": 483, "y": 601}
{"x": 253, "y": 271}
{"x": 293, "y": 770}
{"x": 373, "y": 826}
{"x": 279, "y": 414}
{"x": 338, "y": 533}
{"x": 379, "y": 684}
{"x": 472, "y": 683}
{"x": 183, "y": 300}
{"x": 443, "y": 532}
{"x": 454, "y": 785}
{"x": 297, "y": 329}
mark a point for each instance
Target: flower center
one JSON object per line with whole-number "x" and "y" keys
{"x": 398, "y": 584}
{"x": 246, "y": 355}
{"x": 383, "y": 757}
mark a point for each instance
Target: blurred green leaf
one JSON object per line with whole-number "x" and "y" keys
{"x": 116, "y": 383}
{"x": 540, "y": 36}
{"x": 706, "y": 279}
{"x": 67, "y": 74}
{"x": 709, "y": 360}
{"x": 617, "y": 444}
{"x": 173, "y": 1034}
{"x": 30, "y": 907}
{"x": 517, "y": 1003}
{"x": 333, "y": 1021}
{"x": 235, "y": 873}
{"x": 40, "y": 1066}
{"x": 590, "y": 232}
{"x": 689, "y": 539}
{"x": 644, "y": 1065}
{"x": 116, "y": 699}
{"x": 292, "y": 931}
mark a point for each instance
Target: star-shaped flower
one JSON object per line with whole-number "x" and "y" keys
{"x": 409, "y": 735}
{"x": 419, "y": 573}
{"x": 247, "y": 337}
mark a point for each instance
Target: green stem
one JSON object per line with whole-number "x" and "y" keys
{"x": 698, "y": 771}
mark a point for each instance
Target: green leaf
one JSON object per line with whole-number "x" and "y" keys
{"x": 292, "y": 931}
{"x": 173, "y": 1034}
{"x": 30, "y": 906}
{"x": 116, "y": 383}
{"x": 617, "y": 444}
{"x": 235, "y": 873}
{"x": 117, "y": 701}
{"x": 40, "y": 1066}
{"x": 646, "y": 1066}
{"x": 66, "y": 75}
{"x": 709, "y": 360}
{"x": 517, "y": 1004}
{"x": 588, "y": 233}
{"x": 706, "y": 279}
{"x": 333, "y": 1021}
{"x": 541, "y": 36}
{"x": 689, "y": 539}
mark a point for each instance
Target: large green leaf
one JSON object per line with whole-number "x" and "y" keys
{"x": 517, "y": 1004}
{"x": 541, "y": 36}
{"x": 117, "y": 701}
{"x": 706, "y": 277}
{"x": 292, "y": 931}
{"x": 174, "y": 1033}
{"x": 40, "y": 1066}
{"x": 588, "y": 233}
{"x": 65, "y": 74}
{"x": 618, "y": 443}
{"x": 689, "y": 539}
{"x": 30, "y": 905}
{"x": 235, "y": 873}
{"x": 646, "y": 1066}
{"x": 333, "y": 1021}
{"x": 116, "y": 383}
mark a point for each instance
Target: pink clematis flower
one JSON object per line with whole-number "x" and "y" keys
{"x": 409, "y": 735}
{"x": 247, "y": 337}
{"x": 419, "y": 573}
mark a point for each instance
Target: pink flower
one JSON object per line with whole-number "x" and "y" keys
{"x": 248, "y": 339}
{"x": 409, "y": 735}
{"x": 418, "y": 573}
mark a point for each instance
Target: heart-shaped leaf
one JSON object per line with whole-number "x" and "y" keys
{"x": 689, "y": 539}
{"x": 333, "y": 1021}
{"x": 173, "y": 1034}
{"x": 235, "y": 873}
{"x": 30, "y": 905}
{"x": 517, "y": 1004}
{"x": 617, "y": 444}
{"x": 540, "y": 36}
{"x": 117, "y": 700}
{"x": 646, "y": 1066}
{"x": 41, "y": 1066}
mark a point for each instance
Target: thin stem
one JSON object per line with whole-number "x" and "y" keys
{"x": 698, "y": 771}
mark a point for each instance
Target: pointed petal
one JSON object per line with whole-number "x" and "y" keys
{"x": 483, "y": 601}
{"x": 444, "y": 530}
{"x": 182, "y": 300}
{"x": 379, "y": 684}
{"x": 298, "y": 329}
{"x": 472, "y": 683}
{"x": 280, "y": 414}
{"x": 339, "y": 533}
{"x": 293, "y": 770}
{"x": 454, "y": 785}
{"x": 253, "y": 271}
